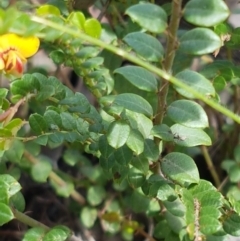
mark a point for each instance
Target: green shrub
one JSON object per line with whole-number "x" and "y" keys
{"x": 153, "y": 114}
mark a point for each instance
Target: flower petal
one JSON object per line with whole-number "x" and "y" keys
{"x": 10, "y": 61}
{"x": 2, "y": 64}
{"x": 27, "y": 46}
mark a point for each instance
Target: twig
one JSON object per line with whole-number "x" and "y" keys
{"x": 28, "y": 220}
{"x": 103, "y": 11}
{"x": 75, "y": 238}
{"x": 145, "y": 235}
{"x": 210, "y": 165}
{"x": 168, "y": 61}
{"x": 167, "y": 66}
{"x": 223, "y": 183}
{"x": 107, "y": 204}
{"x": 23, "y": 218}
{"x": 9, "y": 114}
{"x": 116, "y": 13}
{"x": 35, "y": 2}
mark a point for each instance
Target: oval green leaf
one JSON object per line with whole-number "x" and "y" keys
{"x": 3, "y": 92}
{"x": 141, "y": 163}
{"x": 48, "y": 10}
{"x": 180, "y": 168}
{"x": 4, "y": 195}
{"x": 134, "y": 103}
{"x": 208, "y": 224}
{"x": 199, "y": 41}
{"x": 199, "y": 191}
{"x": 231, "y": 225}
{"x": 137, "y": 202}
{"x": 234, "y": 173}
{"x": 95, "y": 195}
{"x": 140, "y": 122}
{"x": 92, "y": 63}
{"x": 105, "y": 149}
{"x": 18, "y": 201}
{"x": 68, "y": 121}
{"x": 45, "y": 92}
{"x": 139, "y": 77}
{"x": 56, "y": 233}
{"x": 206, "y": 13}
{"x": 219, "y": 83}
{"x": 118, "y": 134}
{"x": 186, "y": 136}
{"x": 163, "y": 132}
{"x": 187, "y": 113}
{"x": 77, "y": 19}
{"x": 38, "y": 124}
{"x": 123, "y": 155}
{"x": 145, "y": 45}
{"x": 135, "y": 141}
{"x": 88, "y": 216}
{"x": 135, "y": 178}
{"x": 41, "y": 170}
{"x": 6, "y": 214}
{"x": 195, "y": 80}
{"x": 14, "y": 125}
{"x": 11, "y": 183}
{"x": 64, "y": 190}
{"x": 53, "y": 118}
{"x": 35, "y": 234}
{"x": 151, "y": 150}
{"x": 149, "y": 16}
{"x": 92, "y": 27}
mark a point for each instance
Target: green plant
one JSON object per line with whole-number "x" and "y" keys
{"x": 150, "y": 119}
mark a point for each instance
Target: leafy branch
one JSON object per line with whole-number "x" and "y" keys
{"x": 28, "y": 220}
{"x": 161, "y": 73}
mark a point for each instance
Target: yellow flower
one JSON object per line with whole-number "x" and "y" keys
{"x": 14, "y": 51}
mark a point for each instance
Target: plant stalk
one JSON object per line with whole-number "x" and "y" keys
{"x": 210, "y": 165}
{"x": 168, "y": 61}
{"x": 28, "y": 220}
